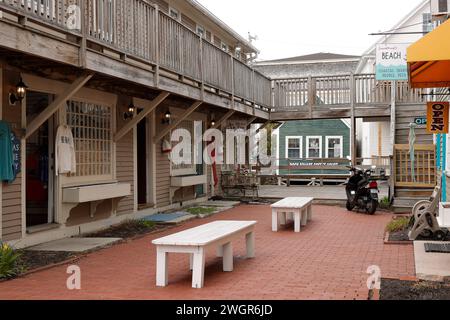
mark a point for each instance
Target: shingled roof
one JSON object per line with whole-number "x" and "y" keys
{"x": 321, "y": 56}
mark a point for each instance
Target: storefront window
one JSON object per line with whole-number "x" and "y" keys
{"x": 186, "y": 168}
{"x": 91, "y": 128}
{"x": 314, "y": 147}
{"x": 293, "y": 147}
{"x": 334, "y": 147}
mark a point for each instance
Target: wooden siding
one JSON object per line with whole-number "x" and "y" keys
{"x": 162, "y": 178}
{"x": 125, "y": 171}
{"x": 12, "y": 193}
{"x": 188, "y": 22}
{"x": 163, "y": 6}
{"x": 405, "y": 115}
{"x": 12, "y": 210}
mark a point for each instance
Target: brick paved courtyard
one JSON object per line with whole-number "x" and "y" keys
{"x": 328, "y": 260}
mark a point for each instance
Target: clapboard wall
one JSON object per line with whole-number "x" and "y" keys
{"x": 405, "y": 115}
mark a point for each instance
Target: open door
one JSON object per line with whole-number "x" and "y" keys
{"x": 39, "y": 164}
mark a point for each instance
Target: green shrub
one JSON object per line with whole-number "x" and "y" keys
{"x": 385, "y": 203}
{"x": 396, "y": 225}
{"x": 146, "y": 224}
{"x": 201, "y": 210}
{"x": 8, "y": 261}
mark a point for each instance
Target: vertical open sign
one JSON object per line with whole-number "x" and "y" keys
{"x": 438, "y": 117}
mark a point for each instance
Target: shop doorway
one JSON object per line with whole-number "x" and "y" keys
{"x": 143, "y": 163}
{"x": 39, "y": 164}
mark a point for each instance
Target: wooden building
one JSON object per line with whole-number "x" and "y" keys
{"x": 113, "y": 71}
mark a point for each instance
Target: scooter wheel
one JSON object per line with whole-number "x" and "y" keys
{"x": 350, "y": 206}
{"x": 372, "y": 208}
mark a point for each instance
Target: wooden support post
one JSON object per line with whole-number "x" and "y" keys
{"x": 186, "y": 114}
{"x": 1, "y": 183}
{"x": 353, "y": 142}
{"x": 393, "y": 139}
{"x": 83, "y": 44}
{"x": 311, "y": 96}
{"x": 393, "y": 115}
{"x": 57, "y": 103}
{"x": 138, "y": 118}
{"x": 156, "y": 37}
{"x": 223, "y": 119}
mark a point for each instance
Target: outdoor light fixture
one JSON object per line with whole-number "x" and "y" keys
{"x": 130, "y": 113}
{"x": 19, "y": 95}
{"x": 167, "y": 117}
{"x": 213, "y": 123}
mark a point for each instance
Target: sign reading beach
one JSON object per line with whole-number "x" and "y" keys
{"x": 391, "y": 62}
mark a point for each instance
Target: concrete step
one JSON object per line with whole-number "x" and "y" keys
{"x": 405, "y": 204}
{"x": 408, "y": 193}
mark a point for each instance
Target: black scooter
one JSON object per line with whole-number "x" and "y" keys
{"x": 362, "y": 192}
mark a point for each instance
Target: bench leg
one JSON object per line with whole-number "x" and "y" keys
{"x": 198, "y": 274}
{"x": 228, "y": 257}
{"x": 310, "y": 213}
{"x": 220, "y": 252}
{"x": 250, "y": 241}
{"x": 304, "y": 217}
{"x": 297, "y": 221}
{"x": 162, "y": 268}
{"x": 274, "y": 220}
{"x": 289, "y": 217}
{"x": 283, "y": 218}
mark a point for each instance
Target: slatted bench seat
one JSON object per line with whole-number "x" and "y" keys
{"x": 299, "y": 208}
{"x": 196, "y": 241}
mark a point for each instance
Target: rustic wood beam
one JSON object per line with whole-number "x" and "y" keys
{"x": 57, "y": 103}
{"x": 175, "y": 124}
{"x": 149, "y": 108}
{"x": 249, "y": 122}
{"x": 263, "y": 126}
{"x": 223, "y": 119}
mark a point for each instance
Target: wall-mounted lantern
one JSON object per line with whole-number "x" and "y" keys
{"x": 130, "y": 113}
{"x": 19, "y": 95}
{"x": 167, "y": 117}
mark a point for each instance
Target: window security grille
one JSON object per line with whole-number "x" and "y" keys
{"x": 92, "y": 132}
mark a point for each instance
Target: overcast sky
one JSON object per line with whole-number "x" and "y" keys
{"x": 288, "y": 28}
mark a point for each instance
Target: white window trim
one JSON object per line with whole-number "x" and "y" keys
{"x": 222, "y": 45}
{"x": 328, "y": 138}
{"x": 200, "y": 27}
{"x": 287, "y": 145}
{"x": 178, "y": 14}
{"x": 320, "y": 146}
{"x": 192, "y": 171}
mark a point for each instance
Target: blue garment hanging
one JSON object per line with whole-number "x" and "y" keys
{"x": 6, "y": 153}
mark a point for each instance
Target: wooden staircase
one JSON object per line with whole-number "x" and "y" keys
{"x": 406, "y": 198}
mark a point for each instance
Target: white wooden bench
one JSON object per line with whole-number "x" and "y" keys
{"x": 196, "y": 241}
{"x": 299, "y": 208}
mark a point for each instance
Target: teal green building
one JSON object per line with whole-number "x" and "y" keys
{"x": 313, "y": 143}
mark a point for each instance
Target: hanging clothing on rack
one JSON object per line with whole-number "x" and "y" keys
{"x": 65, "y": 160}
{"x": 6, "y": 153}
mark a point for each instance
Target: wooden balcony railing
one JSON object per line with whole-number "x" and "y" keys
{"x": 137, "y": 29}
{"x": 360, "y": 90}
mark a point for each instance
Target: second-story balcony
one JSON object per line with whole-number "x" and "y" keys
{"x": 138, "y": 33}
{"x": 158, "y": 51}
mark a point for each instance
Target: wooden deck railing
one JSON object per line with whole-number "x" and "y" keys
{"x": 137, "y": 29}
{"x": 360, "y": 90}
